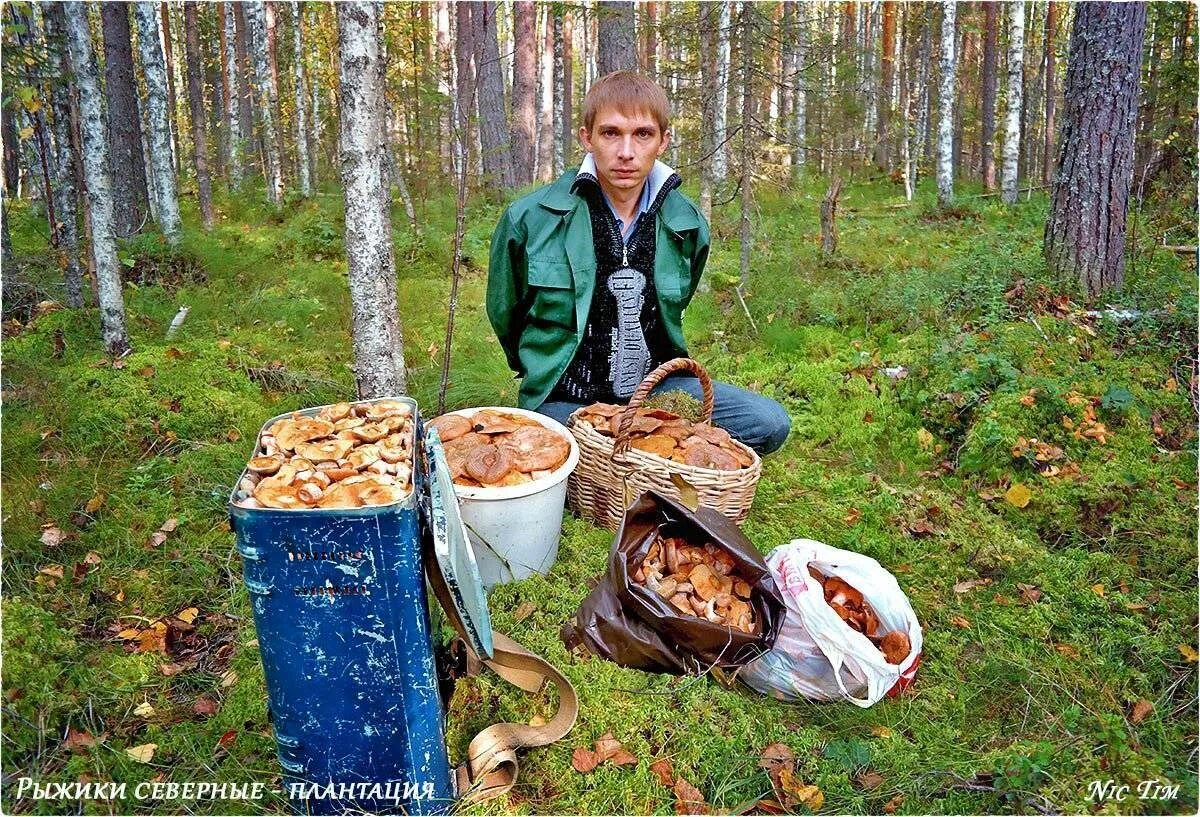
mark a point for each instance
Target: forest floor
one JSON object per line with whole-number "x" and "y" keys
{"x": 1060, "y": 636}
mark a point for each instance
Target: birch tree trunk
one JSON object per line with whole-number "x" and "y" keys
{"x": 1009, "y": 170}
{"x": 1089, "y": 199}
{"x": 493, "y": 130}
{"x": 234, "y": 145}
{"x": 155, "y": 72}
{"x": 302, "y": 162}
{"x": 987, "y": 132}
{"x": 800, "y": 105}
{"x": 617, "y": 43}
{"x": 256, "y": 29}
{"x": 131, "y": 197}
{"x": 196, "y": 104}
{"x": 66, "y": 197}
{"x": 164, "y": 41}
{"x": 99, "y": 180}
{"x": 377, "y": 338}
{"x": 706, "y": 17}
{"x": 561, "y": 104}
{"x": 924, "y": 98}
{"x": 245, "y": 83}
{"x": 524, "y": 90}
{"x": 720, "y": 168}
{"x": 945, "y": 141}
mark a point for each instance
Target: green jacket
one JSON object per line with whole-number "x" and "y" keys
{"x": 542, "y": 272}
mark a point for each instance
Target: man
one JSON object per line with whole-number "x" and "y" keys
{"x": 589, "y": 277}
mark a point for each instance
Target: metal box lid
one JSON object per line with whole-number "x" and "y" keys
{"x": 452, "y": 549}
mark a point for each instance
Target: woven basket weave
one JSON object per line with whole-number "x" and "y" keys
{"x": 610, "y": 470}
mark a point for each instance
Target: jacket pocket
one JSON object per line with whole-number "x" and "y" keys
{"x": 553, "y": 291}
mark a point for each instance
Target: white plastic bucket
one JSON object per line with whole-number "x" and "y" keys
{"x": 514, "y": 530}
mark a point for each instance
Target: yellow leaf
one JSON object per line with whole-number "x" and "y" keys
{"x": 144, "y": 710}
{"x": 1189, "y": 653}
{"x": 25, "y": 132}
{"x": 688, "y": 496}
{"x": 229, "y": 678}
{"x": 94, "y": 504}
{"x": 188, "y": 616}
{"x": 143, "y": 753}
{"x": 1098, "y": 589}
{"x": 1018, "y": 495}
{"x": 1171, "y": 385}
{"x": 129, "y": 634}
{"x": 924, "y": 439}
{"x": 55, "y": 571}
{"x": 959, "y": 621}
{"x": 881, "y": 731}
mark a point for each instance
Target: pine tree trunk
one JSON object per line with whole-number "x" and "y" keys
{"x": 234, "y": 145}
{"x": 246, "y": 105}
{"x": 377, "y": 338}
{"x": 1051, "y": 70}
{"x": 924, "y": 98}
{"x": 66, "y": 194}
{"x": 172, "y": 99}
{"x": 1009, "y": 169}
{"x": 524, "y": 87}
{"x": 256, "y": 29}
{"x": 464, "y": 83}
{"x": 945, "y": 141}
{"x": 131, "y": 196}
{"x": 987, "y": 132}
{"x": 746, "y": 18}
{"x": 155, "y": 72}
{"x": 493, "y": 130}
{"x": 196, "y": 104}
{"x": 546, "y": 108}
{"x": 720, "y": 167}
{"x": 883, "y": 99}
{"x": 617, "y": 43}
{"x": 1089, "y": 199}
{"x": 99, "y": 180}
{"x": 303, "y": 165}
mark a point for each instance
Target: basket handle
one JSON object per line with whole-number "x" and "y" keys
{"x": 621, "y": 441}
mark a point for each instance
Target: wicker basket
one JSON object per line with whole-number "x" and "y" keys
{"x": 610, "y": 470}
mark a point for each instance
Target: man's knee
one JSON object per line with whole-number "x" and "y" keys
{"x": 776, "y": 425}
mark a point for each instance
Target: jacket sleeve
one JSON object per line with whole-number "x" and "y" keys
{"x": 699, "y": 257}
{"x": 506, "y": 287}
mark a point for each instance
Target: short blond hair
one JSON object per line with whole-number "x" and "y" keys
{"x": 628, "y": 92}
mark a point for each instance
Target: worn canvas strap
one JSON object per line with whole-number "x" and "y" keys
{"x": 491, "y": 767}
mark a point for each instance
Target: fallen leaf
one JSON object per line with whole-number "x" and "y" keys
{"x": 1137, "y": 606}
{"x": 891, "y": 805}
{"x": 92, "y": 558}
{"x": 1171, "y": 384}
{"x": 797, "y": 793}
{"x": 94, "y": 504}
{"x": 624, "y": 757}
{"x": 157, "y": 538}
{"x": 1018, "y": 495}
{"x": 227, "y": 739}
{"x": 607, "y": 746}
{"x": 54, "y": 571}
{"x": 229, "y": 678}
{"x": 187, "y": 616}
{"x": 881, "y": 731}
{"x": 171, "y": 669}
{"x": 1140, "y": 711}
{"x": 537, "y": 720}
{"x": 583, "y": 760}
{"x": 146, "y": 371}
{"x": 1098, "y": 589}
{"x": 129, "y": 634}
{"x": 52, "y": 536}
{"x": 868, "y": 781}
{"x": 688, "y": 799}
{"x": 959, "y": 621}
{"x": 775, "y": 757}
{"x": 1189, "y": 653}
{"x": 970, "y": 584}
{"x": 143, "y": 753}
{"x": 1029, "y": 593}
{"x": 144, "y": 710}
{"x": 924, "y": 439}
{"x": 852, "y": 517}
{"x": 662, "y": 768}
{"x": 169, "y": 526}
{"x": 173, "y": 353}
{"x": 253, "y": 643}
{"x": 78, "y": 741}
{"x": 205, "y": 706}
{"x": 524, "y": 611}
{"x": 1067, "y": 650}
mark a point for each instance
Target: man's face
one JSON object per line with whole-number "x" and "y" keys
{"x": 624, "y": 147}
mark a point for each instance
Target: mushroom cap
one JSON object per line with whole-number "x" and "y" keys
{"x": 278, "y": 496}
{"x": 451, "y": 426}
{"x": 488, "y": 464}
{"x": 707, "y": 455}
{"x": 369, "y": 432}
{"x": 384, "y": 408}
{"x": 492, "y": 422}
{"x": 301, "y": 431}
{"x": 348, "y": 423}
{"x": 515, "y": 477}
{"x": 603, "y": 409}
{"x": 363, "y": 456}
{"x": 658, "y": 444}
{"x": 895, "y": 646}
{"x": 264, "y": 466}
{"x": 536, "y": 448}
{"x": 335, "y": 412}
{"x": 323, "y": 450}
{"x": 710, "y": 433}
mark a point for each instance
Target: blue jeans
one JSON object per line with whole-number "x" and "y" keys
{"x": 758, "y": 421}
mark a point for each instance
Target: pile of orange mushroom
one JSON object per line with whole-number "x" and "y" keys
{"x": 493, "y": 449}
{"x": 670, "y": 436}
{"x": 699, "y": 581}
{"x": 345, "y": 456}
{"x": 853, "y": 609}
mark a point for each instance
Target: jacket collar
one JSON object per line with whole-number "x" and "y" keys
{"x": 678, "y": 215}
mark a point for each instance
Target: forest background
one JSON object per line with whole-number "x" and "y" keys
{"x": 956, "y": 240}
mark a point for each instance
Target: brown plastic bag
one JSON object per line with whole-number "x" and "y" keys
{"x": 634, "y": 627}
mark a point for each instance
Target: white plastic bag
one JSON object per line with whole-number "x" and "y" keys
{"x": 817, "y": 655}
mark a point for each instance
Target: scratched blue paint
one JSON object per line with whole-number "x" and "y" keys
{"x": 344, "y": 632}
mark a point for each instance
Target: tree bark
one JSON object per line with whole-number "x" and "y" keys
{"x": 883, "y": 99}
{"x": 829, "y": 236}
{"x": 377, "y": 338}
{"x": 523, "y": 89}
{"x": 235, "y": 144}
{"x": 800, "y": 105}
{"x": 246, "y": 104}
{"x": 945, "y": 141}
{"x": 99, "y": 180}
{"x": 131, "y": 196}
{"x": 720, "y": 167}
{"x": 987, "y": 128}
{"x": 497, "y": 148}
{"x": 172, "y": 100}
{"x": 1009, "y": 171}
{"x": 617, "y": 43}
{"x": 562, "y": 89}
{"x": 746, "y": 20}
{"x": 303, "y": 165}
{"x": 155, "y": 72}
{"x": 546, "y": 108}
{"x": 265, "y": 103}
{"x": 66, "y": 193}
{"x": 196, "y": 104}
{"x": 1048, "y": 135}
{"x": 464, "y": 82}
{"x": 1089, "y": 199}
